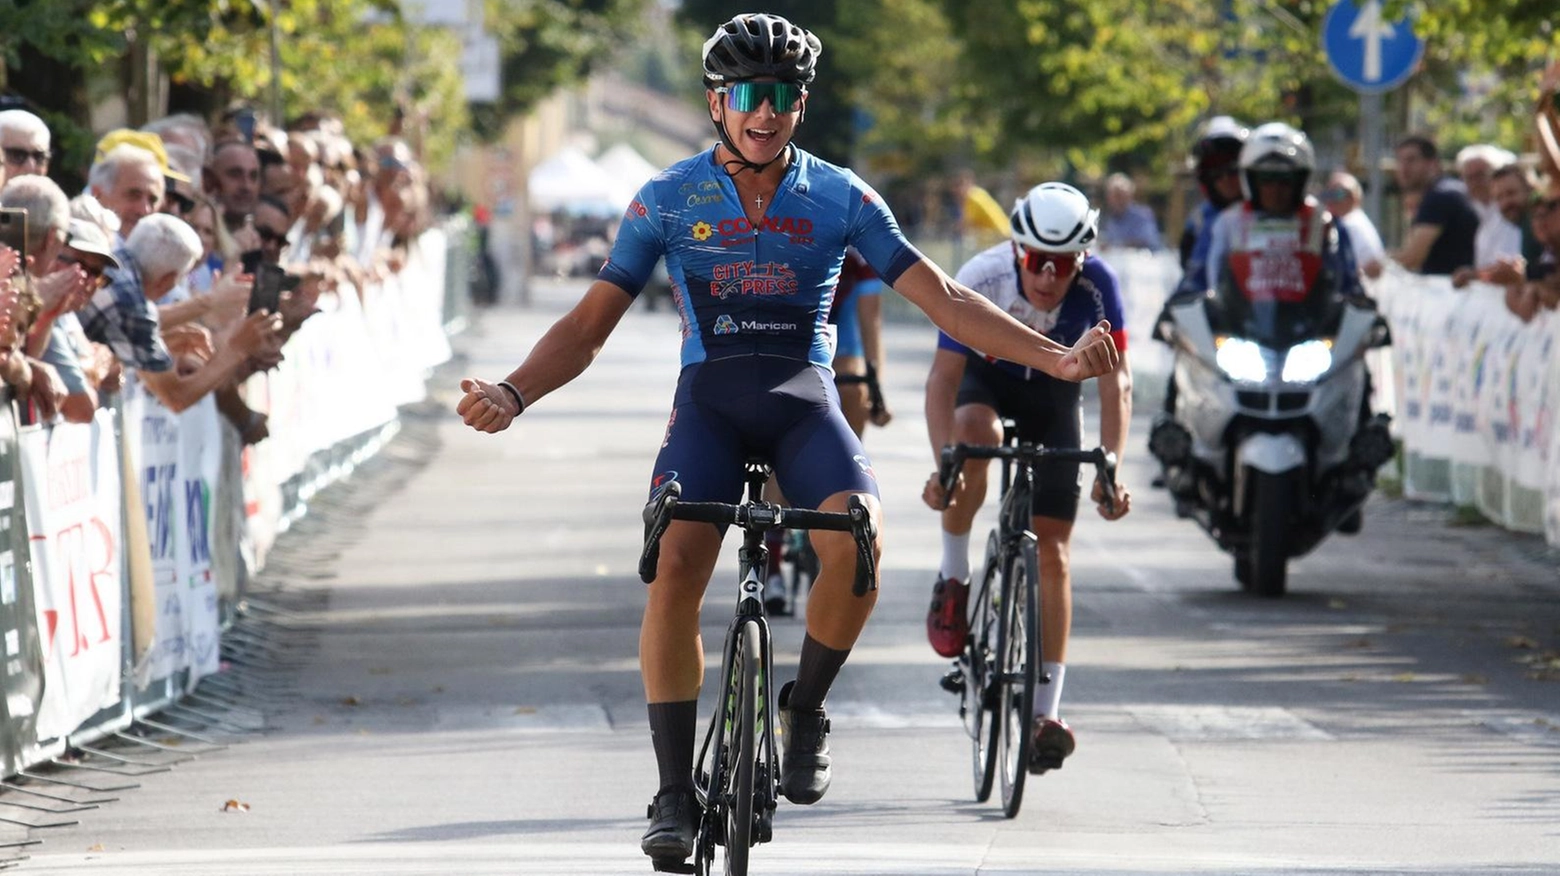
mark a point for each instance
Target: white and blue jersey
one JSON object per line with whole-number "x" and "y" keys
{"x": 1095, "y": 294}
{"x": 746, "y": 290}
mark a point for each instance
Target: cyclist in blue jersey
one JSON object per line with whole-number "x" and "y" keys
{"x": 754, "y": 232}
{"x": 1045, "y": 278}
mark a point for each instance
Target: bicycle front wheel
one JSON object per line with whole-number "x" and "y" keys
{"x": 981, "y": 689}
{"x": 1018, "y": 658}
{"x": 742, "y": 744}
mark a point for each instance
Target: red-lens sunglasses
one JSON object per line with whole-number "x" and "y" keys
{"x": 1061, "y": 263}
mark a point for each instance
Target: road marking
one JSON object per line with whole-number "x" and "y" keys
{"x": 1196, "y": 723}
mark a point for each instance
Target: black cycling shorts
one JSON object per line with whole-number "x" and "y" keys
{"x": 1047, "y": 412}
{"x": 784, "y": 410}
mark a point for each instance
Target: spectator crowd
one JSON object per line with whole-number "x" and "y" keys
{"x": 148, "y": 274}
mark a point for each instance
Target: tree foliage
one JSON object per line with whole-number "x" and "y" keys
{"x": 548, "y": 43}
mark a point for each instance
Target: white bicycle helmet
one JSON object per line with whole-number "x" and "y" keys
{"x": 1276, "y": 148}
{"x": 1054, "y": 217}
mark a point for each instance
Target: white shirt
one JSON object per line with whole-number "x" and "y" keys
{"x": 1363, "y": 237}
{"x": 1496, "y": 239}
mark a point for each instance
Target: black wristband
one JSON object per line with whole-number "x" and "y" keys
{"x": 519, "y": 402}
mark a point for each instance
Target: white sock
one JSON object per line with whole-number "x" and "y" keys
{"x": 956, "y": 556}
{"x": 1048, "y": 697}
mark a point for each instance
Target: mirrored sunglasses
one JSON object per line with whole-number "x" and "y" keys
{"x": 746, "y": 96}
{"x": 1062, "y": 264}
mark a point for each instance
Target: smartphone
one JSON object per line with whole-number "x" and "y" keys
{"x": 13, "y": 233}
{"x": 246, "y": 124}
{"x": 249, "y": 260}
{"x": 266, "y": 294}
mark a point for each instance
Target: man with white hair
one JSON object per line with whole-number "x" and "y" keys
{"x": 157, "y": 254}
{"x": 60, "y": 292}
{"x": 24, "y": 144}
{"x": 128, "y": 180}
{"x": 1124, "y": 222}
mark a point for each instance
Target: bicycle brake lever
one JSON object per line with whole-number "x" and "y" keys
{"x": 657, "y": 516}
{"x": 948, "y": 474}
{"x": 1106, "y": 475}
{"x": 865, "y": 535}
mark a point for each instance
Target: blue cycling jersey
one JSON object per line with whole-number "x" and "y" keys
{"x": 746, "y": 290}
{"x": 1094, "y": 294}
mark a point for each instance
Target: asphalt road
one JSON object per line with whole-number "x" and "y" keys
{"x": 463, "y": 694}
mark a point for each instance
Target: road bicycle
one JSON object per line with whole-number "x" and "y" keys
{"x": 995, "y": 675}
{"x": 737, "y": 773}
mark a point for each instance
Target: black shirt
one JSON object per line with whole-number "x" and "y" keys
{"x": 1447, "y": 206}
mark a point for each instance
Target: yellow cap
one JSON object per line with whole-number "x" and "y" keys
{"x": 141, "y": 140}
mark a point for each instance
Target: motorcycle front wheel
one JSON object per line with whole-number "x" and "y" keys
{"x": 1272, "y": 498}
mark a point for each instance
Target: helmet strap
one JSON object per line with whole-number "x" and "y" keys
{"x": 741, "y": 161}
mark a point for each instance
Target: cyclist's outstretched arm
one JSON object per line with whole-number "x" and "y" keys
{"x": 971, "y": 319}
{"x": 561, "y": 355}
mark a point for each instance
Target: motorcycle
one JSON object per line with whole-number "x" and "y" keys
{"x": 1271, "y": 447}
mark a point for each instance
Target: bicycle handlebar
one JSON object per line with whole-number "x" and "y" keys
{"x": 759, "y": 517}
{"x": 875, "y": 402}
{"x": 953, "y": 457}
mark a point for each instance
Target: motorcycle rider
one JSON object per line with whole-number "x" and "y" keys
{"x": 1278, "y": 242}
{"x": 1216, "y": 157}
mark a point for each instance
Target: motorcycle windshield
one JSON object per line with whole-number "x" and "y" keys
{"x": 1276, "y": 324}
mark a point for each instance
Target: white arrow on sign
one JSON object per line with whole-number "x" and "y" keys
{"x": 1369, "y": 27}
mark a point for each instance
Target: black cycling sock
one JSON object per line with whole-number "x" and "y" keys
{"x": 820, "y": 664}
{"x": 672, "y": 728}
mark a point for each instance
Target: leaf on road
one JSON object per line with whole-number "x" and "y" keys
{"x": 351, "y": 700}
{"x": 1405, "y": 676}
{"x": 1475, "y": 678}
{"x": 95, "y": 847}
{"x": 234, "y": 806}
{"x": 1337, "y": 604}
{"x": 525, "y": 710}
{"x": 1522, "y": 642}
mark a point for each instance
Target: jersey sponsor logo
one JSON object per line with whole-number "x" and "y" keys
{"x": 753, "y": 325}
{"x": 701, "y": 231}
{"x": 798, "y": 228}
{"x": 661, "y": 480}
{"x": 725, "y": 325}
{"x": 636, "y": 209}
{"x": 865, "y": 465}
{"x": 703, "y": 186}
{"x": 701, "y": 200}
{"x": 750, "y": 278}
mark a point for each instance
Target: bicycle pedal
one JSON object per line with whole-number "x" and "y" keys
{"x": 671, "y": 865}
{"x": 953, "y": 681}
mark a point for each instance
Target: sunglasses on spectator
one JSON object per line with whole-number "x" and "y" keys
{"x": 1334, "y": 193}
{"x": 271, "y": 236}
{"x": 94, "y": 272}
{"x": 18, "y": 157}
{"x": 1062, "y": 264}
{"x": 745, "y": 97}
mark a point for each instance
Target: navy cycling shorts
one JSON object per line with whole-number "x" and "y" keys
{"x": 1047, "y": 412}
{"x": 783, "y": 410}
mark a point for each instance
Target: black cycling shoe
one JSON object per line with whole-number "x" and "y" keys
{"x": 674, "y": 824}
{"x": 805, "y": 764}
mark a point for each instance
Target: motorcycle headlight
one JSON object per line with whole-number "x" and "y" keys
{"x": 1241, "y": 360}
{"x": 1307, "y": 361}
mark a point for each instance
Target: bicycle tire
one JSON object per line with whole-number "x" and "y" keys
{"x": 742, "y": 723}
{"x": 1018, "y": 656}
{"x": 979, "y": 652}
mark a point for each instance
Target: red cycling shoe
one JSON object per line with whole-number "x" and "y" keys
{"x": 947, "y": 620}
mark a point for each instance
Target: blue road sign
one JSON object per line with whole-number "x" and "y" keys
{"x": 1365, "y": 50}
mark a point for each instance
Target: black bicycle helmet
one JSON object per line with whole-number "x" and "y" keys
{"x": 757, "y": 44}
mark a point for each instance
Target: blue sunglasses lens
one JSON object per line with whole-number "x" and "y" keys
{"x": 745, "y": 97}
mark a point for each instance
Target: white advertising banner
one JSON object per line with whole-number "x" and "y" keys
{"x": 73, "y": 508}
{"x": 162, "y": 491}
{"x": 200, "y": 464}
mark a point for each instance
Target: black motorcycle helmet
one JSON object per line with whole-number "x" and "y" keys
{"x": 757, "y": 44}
{"x": 1215, "y": 151}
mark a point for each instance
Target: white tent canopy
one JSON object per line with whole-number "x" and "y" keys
{"x": 626, "y": 169}
{"x": 571, "y": 181}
